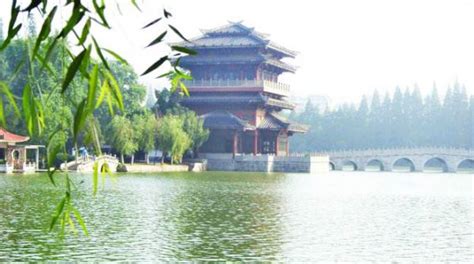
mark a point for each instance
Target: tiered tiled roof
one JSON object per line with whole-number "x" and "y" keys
{"x": 232, "y": 36}
{"x": 225, "y": 120}
{"x": 235, "y": 34}
{"x": 273, "y": 121}
{"x": 8, "y": 137}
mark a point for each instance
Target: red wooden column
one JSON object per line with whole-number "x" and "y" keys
{"x": 234, "y": 147}
{"x": 276, "y": 144}
{"x": 255, "y": 143}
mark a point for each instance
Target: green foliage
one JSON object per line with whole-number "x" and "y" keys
{"x": 122, "y": 135}
{"x": 171, "y": 137}
{"x": 145, "y": 127}
{"x": 193, "y": 126}
{"x": 401, "y": 120}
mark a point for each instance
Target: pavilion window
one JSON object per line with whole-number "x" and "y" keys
{"x": 30, "y": 155}
{"x": 2, "y": 156}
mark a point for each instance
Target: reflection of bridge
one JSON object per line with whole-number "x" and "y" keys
{"x": 414, "y": 159}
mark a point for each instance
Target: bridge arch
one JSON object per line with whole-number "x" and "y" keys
{"x": 435, "y": 164}
{"x": 349, "y": 165}
{"x": 332, "y": 166}
{"x": 465, "y": 166}
{"x": 403, "y": 165}
{"x": 374, "y": 165}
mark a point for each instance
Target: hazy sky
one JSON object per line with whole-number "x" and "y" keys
{"x": 346, "y": 47}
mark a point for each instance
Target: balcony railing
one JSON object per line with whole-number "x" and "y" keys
{"x": 264, "y": 85}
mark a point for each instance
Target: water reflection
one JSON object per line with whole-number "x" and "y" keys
{"x": 341, "y": 216}
{"x": 237, "y": 220}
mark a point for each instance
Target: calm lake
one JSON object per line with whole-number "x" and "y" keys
{"x": 340, "y": 216}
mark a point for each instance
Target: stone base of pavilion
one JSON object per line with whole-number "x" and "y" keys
{"x": 266, "y": 163}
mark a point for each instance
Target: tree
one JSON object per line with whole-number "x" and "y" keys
{"x": 194, "y": 128}
{"x": 171, "y": 137}
{"x": 167, "y": 102}
{"x": 147, "y": 125}
{"x": 405, "y": 121}
{"x": 122, "y": 136}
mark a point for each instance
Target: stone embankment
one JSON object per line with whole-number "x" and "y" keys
{"x": 150, "y": 168}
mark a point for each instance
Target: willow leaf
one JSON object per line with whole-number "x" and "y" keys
{"x": 184, "y": 89}
{"x": 11, "y": 34}
{"x": 28, "y": 108}
{"x": 91, "y": 94}
{"x": 116, "y": 56}
{"x": 71, "y": 223}
{"x": 33, "y": 4}
{"x": 152, "y": 23}
{"x": 5, "y": 90}
{"x": 40, "y": 122}
{"x": 134, "y": 3}
{"x": 72, "y": 70}
{"x": 80, "y": 221}
{"x": 101, "y": 55}
{"x": 84, "y": 68}
{"x": 166, "y": 13}
{"x": 2, "y": 114}
{"x": 52, "y": 155}
{"x": 104, "y": 90}
{"x": 178, "y": 33}
{"x": 158, "y": 39}
{"x": 57, "y": 213}
{"x": 100, "y": 11}
{"x": 115, "y": 91}
{"x": 85, "y": 32}
{"x": 50, "y": 49}
{"x": 45, "y": 30}
{"x": 79, "y": 119}
{"x": 12, "y": 30}
{"x": 155, "y": 65}
{"x": 184, "y": 50}
{"x": 76, "y": 17}
{"x": 165, "y": 75}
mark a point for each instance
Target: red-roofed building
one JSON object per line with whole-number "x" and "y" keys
{"x": 17, "y": 158}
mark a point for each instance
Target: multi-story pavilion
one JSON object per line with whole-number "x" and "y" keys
{"x": 235, "y": 89}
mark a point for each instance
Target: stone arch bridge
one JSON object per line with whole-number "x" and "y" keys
{"x": 416, "y": 159}
{"x": 87, "y": 165}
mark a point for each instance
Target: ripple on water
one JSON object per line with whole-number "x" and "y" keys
{"x": 248, "y": 217}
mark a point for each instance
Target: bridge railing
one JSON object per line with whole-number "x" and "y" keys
{"x": 402, "y": 151}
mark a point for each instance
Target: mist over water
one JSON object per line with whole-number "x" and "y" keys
{"x": 340, "y": 216}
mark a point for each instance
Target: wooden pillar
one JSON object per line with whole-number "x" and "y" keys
{"x": 37, "y": 158}
{"x": 255, "y": 143}
{"x": 287, "y": 145}
{"x": 234, "y": 145}
{"x": 276, "y": 144}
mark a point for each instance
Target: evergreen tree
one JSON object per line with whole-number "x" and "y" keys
{"x": 398, "y": 119}
{"x": 471, "y": 122}
{"x": 375, "y": 122}
{"x": 361, "y": 121}
{"x": 404, "y": 121}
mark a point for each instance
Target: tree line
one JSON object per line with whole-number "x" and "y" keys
{"x": 403, "y": 119}
{"x": 137, "y": 128}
